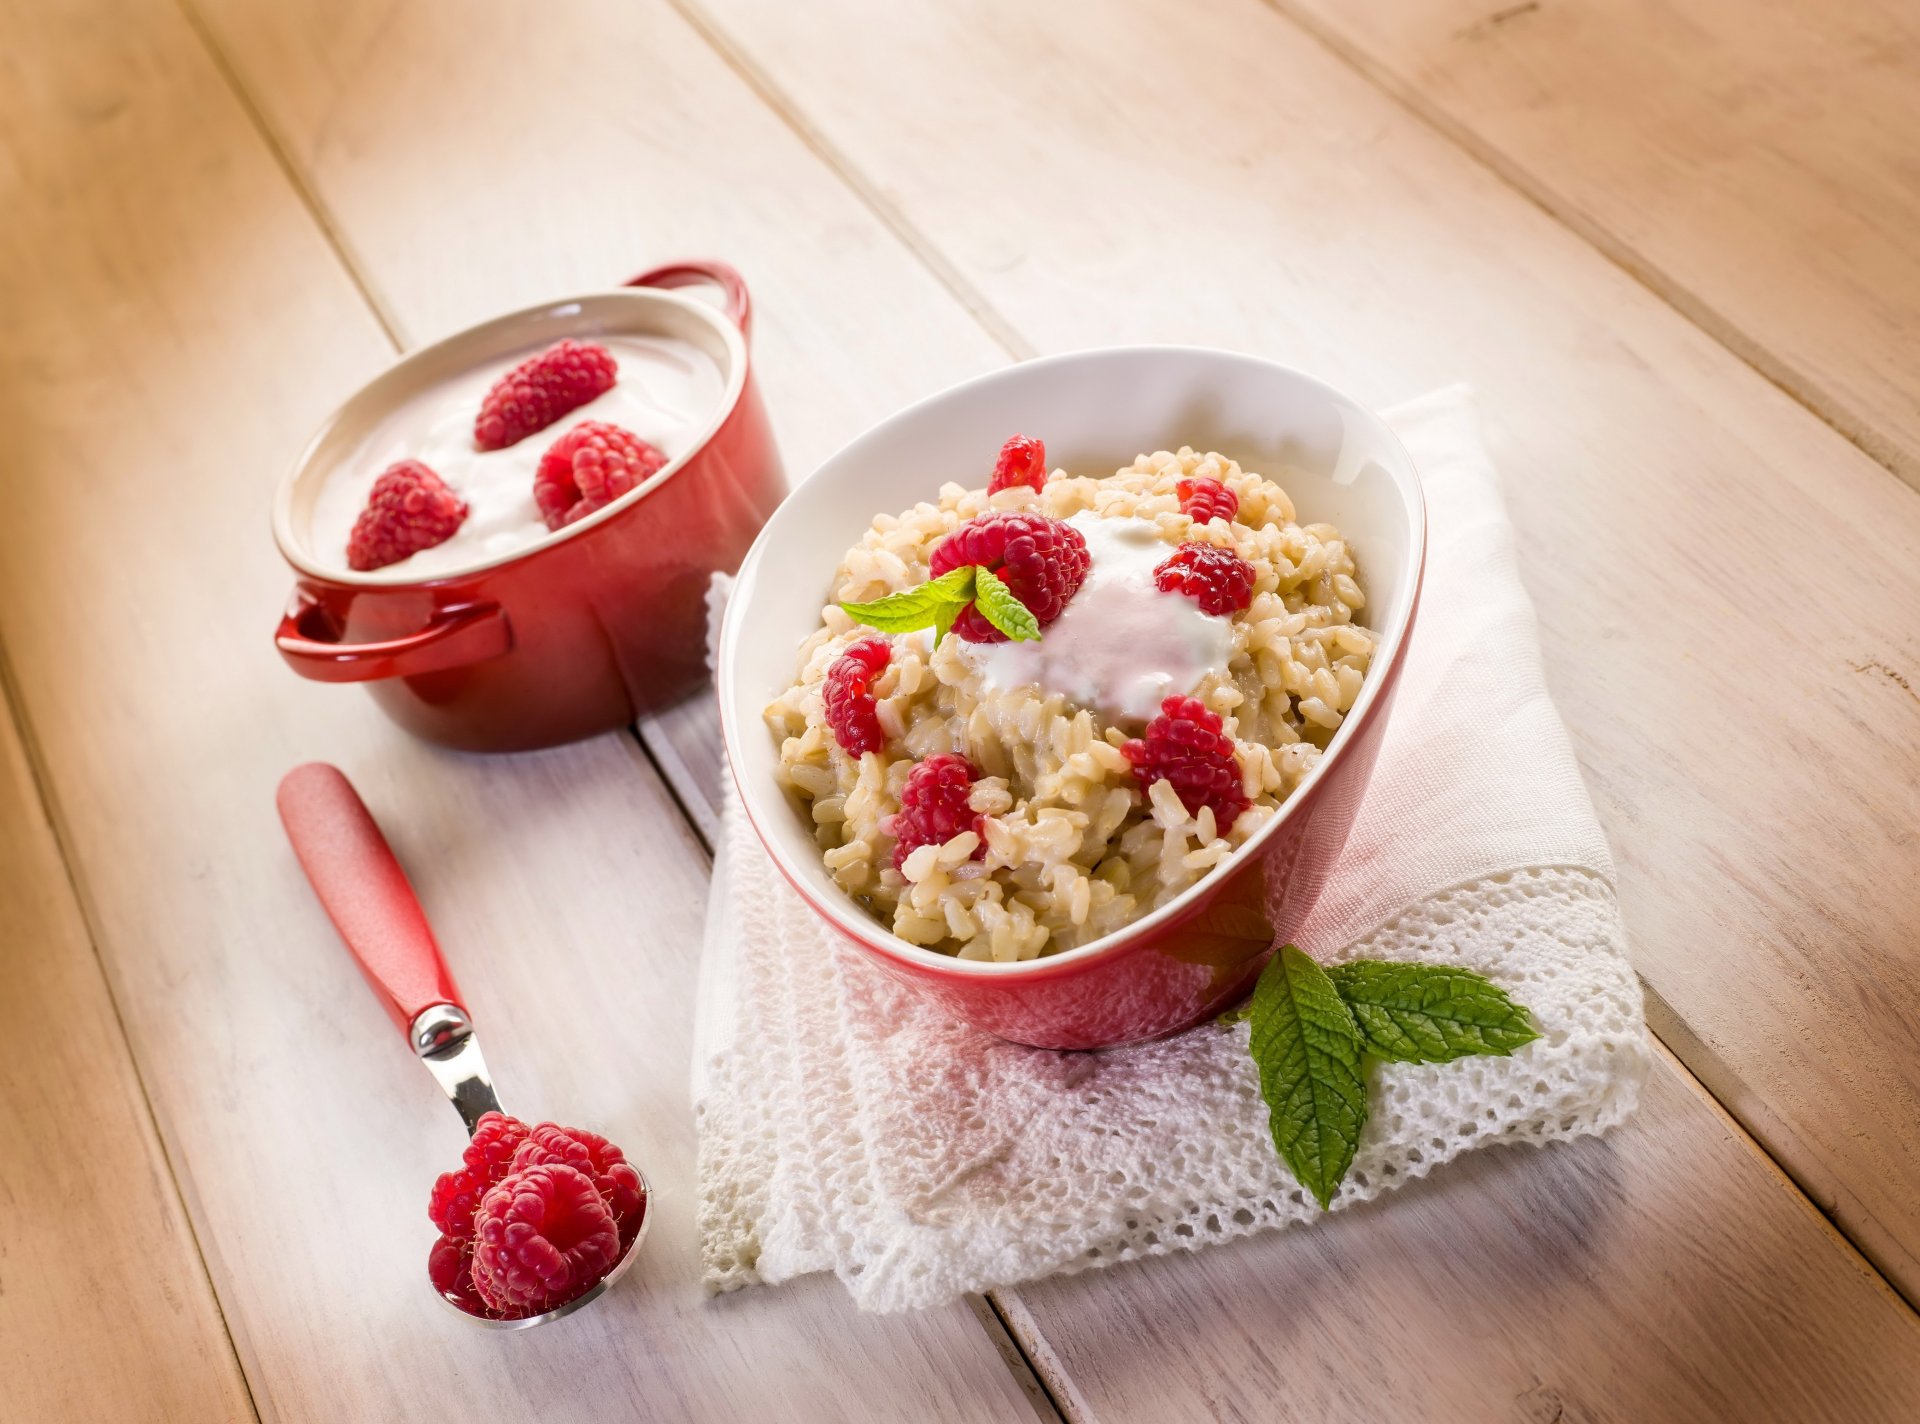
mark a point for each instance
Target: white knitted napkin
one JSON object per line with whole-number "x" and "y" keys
{"x": 846, "y": 1125}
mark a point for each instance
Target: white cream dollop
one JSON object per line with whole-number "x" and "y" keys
{"x": 1120, "y": 646}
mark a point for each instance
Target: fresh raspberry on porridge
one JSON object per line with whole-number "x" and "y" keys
{"x": 1146, "y": 665}
{"x": 1022, "y": 461}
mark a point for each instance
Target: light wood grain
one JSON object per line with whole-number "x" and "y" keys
{"x": 174, "y": 324}
{"x": 1729, "y": 590}
{"x": 1667, "y": 1272}
{"x": 549, "y": 163}
{"x": 1657, "y": 1275}
{"x": 1733, "y": 1183}
{"x": 1751, "y": 160}
{"x": 105, "y": 1309}
{"x": 1673, "y": 1220}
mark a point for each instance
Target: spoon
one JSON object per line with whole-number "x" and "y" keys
{"x": 367, "y": 896}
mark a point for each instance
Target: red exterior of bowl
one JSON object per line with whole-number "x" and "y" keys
{"x": 1148, "y": 983}
{"x": 574, "y": 637}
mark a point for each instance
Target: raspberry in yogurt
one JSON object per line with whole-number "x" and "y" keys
{"x": 664, "y": 393}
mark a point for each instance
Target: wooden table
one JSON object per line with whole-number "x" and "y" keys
{"x": 1672, "y": 245}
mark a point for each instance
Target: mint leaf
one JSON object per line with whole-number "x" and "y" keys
{"x": 1309, "y": 1053}
{"x": 1429, "y": 1013}
{"x": 999, "y": 607}
{"x": 934, "y": 604}
{"x": 1239, "y": 1013}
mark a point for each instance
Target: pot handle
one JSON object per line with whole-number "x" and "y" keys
{"x": 697, "y": 270}
{"x": 454, "y": 637}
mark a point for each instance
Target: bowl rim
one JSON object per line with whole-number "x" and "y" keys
{"x": 855, "y": 922}
{"x": 396, "y": 373}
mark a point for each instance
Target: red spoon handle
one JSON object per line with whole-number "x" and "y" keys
{"x": 364, "y": 890}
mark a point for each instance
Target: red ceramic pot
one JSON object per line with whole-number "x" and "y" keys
{"x": 590, "y": 626}
{"x": 1096, "y": 410}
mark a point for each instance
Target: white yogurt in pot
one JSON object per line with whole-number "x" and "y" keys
{"x": 665, "y": 391}
{"x": 1121, "y": 645}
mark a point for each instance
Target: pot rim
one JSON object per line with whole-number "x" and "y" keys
{"x": 293, "y": 549}
{"x": 856, "y": 924}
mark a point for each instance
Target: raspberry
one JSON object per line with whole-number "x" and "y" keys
{"x": 455, "y": 1195}
{"x": 1186, "y": 747}
{"x": 488, "y": 1157}
{"x": 409, "y": 509}
{"x": 1203, "y": 498}
{"x": 542, "y": 1236}
{"x": 1042, "y": 560}
{"x": 933, "y": 806}
{"x": 592, "y": 465}
{"x": 491, "y": 1148}
{"x": 1023, "y": 461}
{"x": 613, "y": 1176}
{"x": 450, "y": 1268}
{"x": 1219, "y": 580}
{"x": 540, "y": 390}
{"x": 850, "y": 706}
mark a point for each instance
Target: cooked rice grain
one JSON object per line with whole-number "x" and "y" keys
{"x": 1073, "y": 850}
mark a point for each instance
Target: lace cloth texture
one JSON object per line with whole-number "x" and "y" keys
{"x": 845, "y": 1125}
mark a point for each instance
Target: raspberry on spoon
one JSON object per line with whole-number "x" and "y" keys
{"x": 540, "y": 390}
{"x": 487, "y": 1158}
{"x": 542, "y": 1236}
{"x": 604, "y": 1164}
{"x": 450, "y": 1268}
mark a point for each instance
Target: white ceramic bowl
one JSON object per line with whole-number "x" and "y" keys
{"x": 1096, "y": 410}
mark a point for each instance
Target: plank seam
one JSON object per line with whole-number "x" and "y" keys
{"x": 1048, "y": 1405}
{"x": 1797, "y": 1183}
{"x": 14, "y": 704}
{"x": 1003, "y": 332}
{"x": 330, "y": 231}
{"x": 1726, "y": 333}
{"x": 1016, "y": 345}
{"x": 1795, "y": 383}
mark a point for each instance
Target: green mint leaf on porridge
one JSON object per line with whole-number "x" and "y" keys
{"x": 1430, "y": 1013}
{"x": 934, "y": 604}
{"x": 1310, "y": 1055}
{"x": 999, "y": 607}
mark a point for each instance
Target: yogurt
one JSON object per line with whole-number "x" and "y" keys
{"x": 1121, "y": 645}
{"x": 665, "y": 391}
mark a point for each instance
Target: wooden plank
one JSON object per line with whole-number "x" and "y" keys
{"x": 548, "y": 164}
{"x": 93, "y": 1229}
{"x": 1107, "y": 1343}
{"x": 1668, "y": 1272}
{"x": 1662, "y": 1274}
{"x": 1729, "y": 591}
{"x": 1751, "y": 160}
{"x": 174, "y": 325}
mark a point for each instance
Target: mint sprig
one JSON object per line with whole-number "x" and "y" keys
{"x": 937, "y": 602}
{"x": 934, "y": 604}
{"x": 1316, "y": 1033}
{"x": 999, "y": 607}
{"x": 1309, "y": 1052}
{"x": 1430, "y": 1013}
